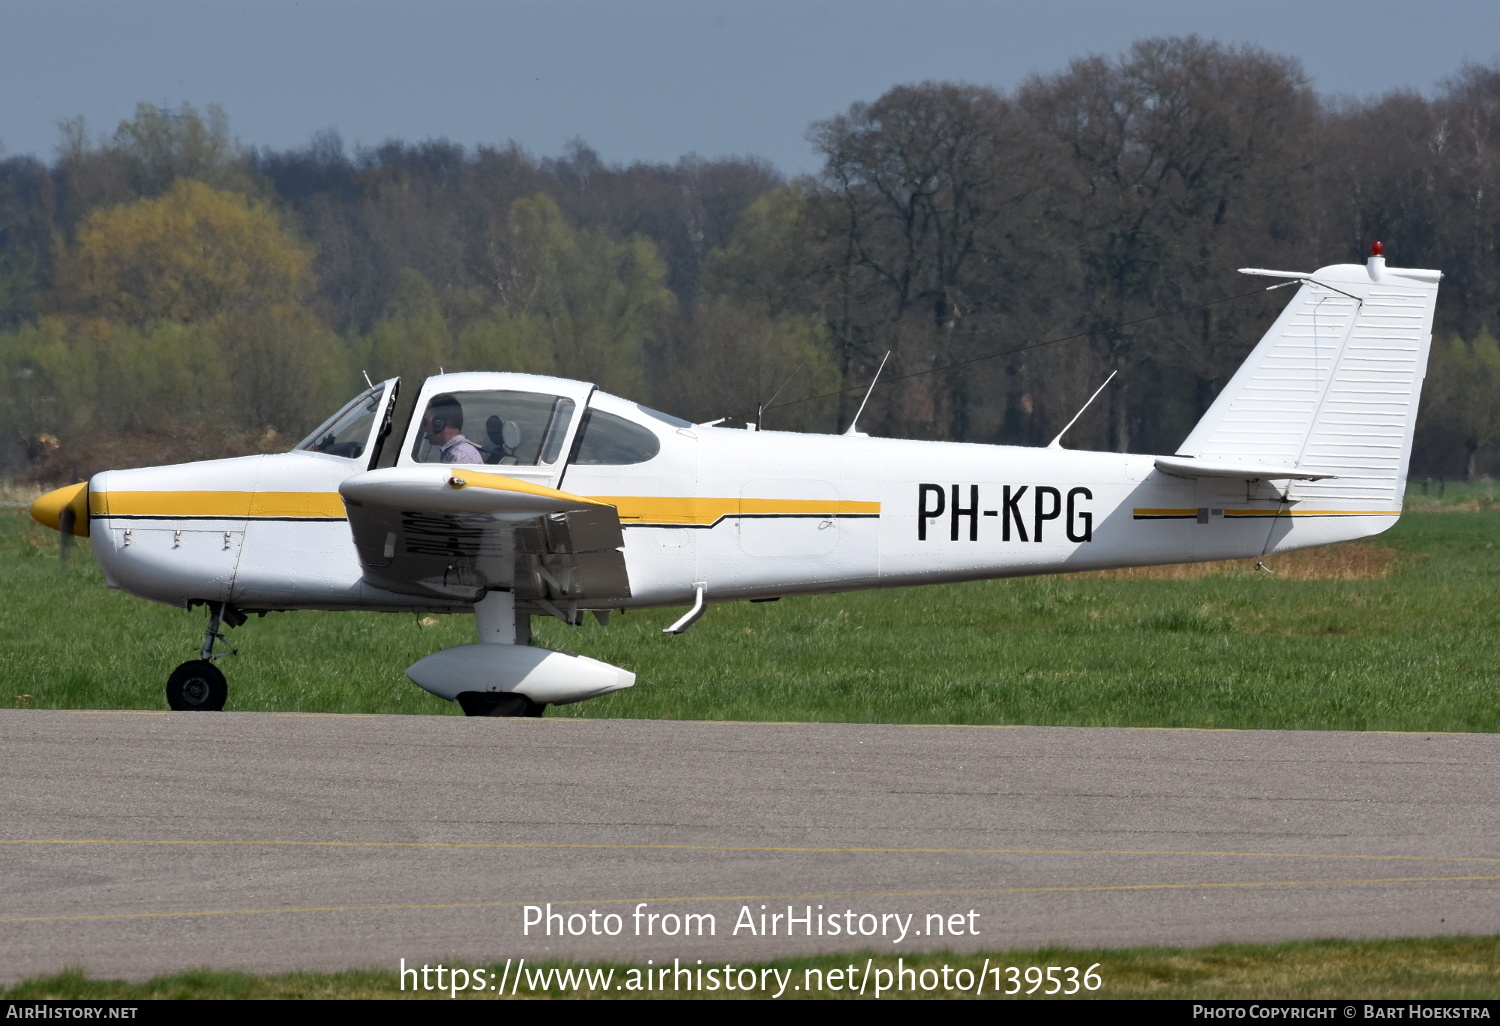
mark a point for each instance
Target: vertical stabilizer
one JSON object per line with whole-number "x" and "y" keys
{"x": 1333, "y": 387}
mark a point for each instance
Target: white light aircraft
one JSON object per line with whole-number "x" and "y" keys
{"x": 511, "y": 496}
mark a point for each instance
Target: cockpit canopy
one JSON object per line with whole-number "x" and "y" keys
{"x": 499, "y": 426}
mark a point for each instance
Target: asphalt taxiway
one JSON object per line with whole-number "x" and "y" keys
{"x": 133, "y": 844}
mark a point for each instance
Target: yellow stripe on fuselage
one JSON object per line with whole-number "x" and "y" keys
{"x": 704, "y": 511}
{"x": 1312, "y": 513}
{"x": 639, "y": 509}
{"x": 1272, "y": 512}
{"x": 228, "y": 505}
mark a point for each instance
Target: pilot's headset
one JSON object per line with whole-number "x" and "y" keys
{"x": 439, "y": 419}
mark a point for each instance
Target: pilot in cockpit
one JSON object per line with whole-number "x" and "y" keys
{"x": 442, "y": 426}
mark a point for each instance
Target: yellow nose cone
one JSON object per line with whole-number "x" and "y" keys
{"x": 48, "y": 510}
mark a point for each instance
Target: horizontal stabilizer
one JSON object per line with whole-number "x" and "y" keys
{"x": 1263, "y": 272}
{"x": 1186, "y": 466}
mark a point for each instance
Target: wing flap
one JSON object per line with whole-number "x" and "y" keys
{"x": 585, "y": 530}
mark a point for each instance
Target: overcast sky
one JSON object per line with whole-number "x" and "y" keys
{"x": 640, "y": 79}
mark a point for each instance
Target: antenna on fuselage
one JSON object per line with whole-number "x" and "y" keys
{"x": 367, "y": 378}
{"x": 854, "y": 424}
{"x": 1056, "y": 443}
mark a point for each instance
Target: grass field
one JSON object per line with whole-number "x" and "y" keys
{"x": 1452, "y": 496}
{"x": 1432, "y": 968}
{"x": 1399, "y": 633}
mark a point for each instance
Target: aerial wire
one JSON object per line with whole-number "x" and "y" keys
{"x": 1034, "y": 345}
{"x": 760, "y": 410}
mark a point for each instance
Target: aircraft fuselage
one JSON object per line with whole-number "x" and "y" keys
{"x": 747, "y": 514}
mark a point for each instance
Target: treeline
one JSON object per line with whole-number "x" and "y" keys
{"x": 167, "y": 288}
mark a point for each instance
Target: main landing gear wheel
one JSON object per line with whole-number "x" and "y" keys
{"x": 498, "y": 703}
{"x": 197, "y": 686}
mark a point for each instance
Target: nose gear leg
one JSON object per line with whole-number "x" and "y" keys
{"x": 198, "y": 685}
{"x": 217, "y": 618}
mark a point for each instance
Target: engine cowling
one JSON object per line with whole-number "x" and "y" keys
{"x": 542, "y": 675}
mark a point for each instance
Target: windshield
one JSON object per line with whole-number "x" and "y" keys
{"x": 347, "y": 431}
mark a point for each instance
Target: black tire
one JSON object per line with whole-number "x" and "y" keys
{"x": 498, "y": 703}
{"x": 197, "y": 686}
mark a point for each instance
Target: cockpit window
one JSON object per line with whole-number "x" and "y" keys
{"x": 499, "y": 427}
{"x": 348, "y": 431}
{"x": 607, "y": 440}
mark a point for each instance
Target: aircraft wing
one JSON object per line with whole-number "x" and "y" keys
{"x": 453, "y": 532}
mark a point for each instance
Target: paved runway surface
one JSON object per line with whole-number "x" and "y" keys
{"x": 137, "y": 844}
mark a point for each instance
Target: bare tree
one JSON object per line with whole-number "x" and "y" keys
{"x": 1178, "y": 154}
